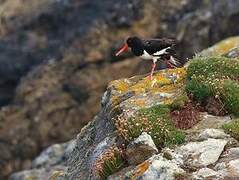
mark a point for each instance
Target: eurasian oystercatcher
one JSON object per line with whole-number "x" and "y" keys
{"x": 152, "y": 49}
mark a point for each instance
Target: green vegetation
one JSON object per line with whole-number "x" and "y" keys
{"x": 216, "y": 77}
{"x": 109, "y": 163}
{"x": 232, "y": 128}
{"x": 155, "y": 121}
{"x": 179, "y": 102}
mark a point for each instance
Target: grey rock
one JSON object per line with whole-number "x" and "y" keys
{"x": 201, "y": 154}
{"x": 51, "y": 162}
{"x": 212, "y": 133}
{"x": 230, "y": 169}
{"x": 140, "y": 149}
{"x": 161, "y": 169}
{"x": 234, "y": 53}
{"x": 55, "y": 154}
{"x": 206, "y": 173}
{"x": 40, "y": 173}
{"x": 232, "y": 152}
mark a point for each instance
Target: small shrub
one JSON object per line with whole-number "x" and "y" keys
{"x": 155, "y": 121}
{"x": 215, "y": 77}
{"x": 232, "y": 128}
{"x": 187, "y": 116}
{"x": 110, "y": 162}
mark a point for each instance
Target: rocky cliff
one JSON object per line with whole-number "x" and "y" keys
{"x": 167, "y": 128}
{"x": 57, "y": 58}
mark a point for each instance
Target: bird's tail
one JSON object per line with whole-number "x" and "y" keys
{"x": 175, "y": 61}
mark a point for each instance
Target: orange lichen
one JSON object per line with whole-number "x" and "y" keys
{"x": 139, "y": 102}
{"x": 140, "y": 170}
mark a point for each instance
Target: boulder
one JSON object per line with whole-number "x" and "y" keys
{"x": 213, "y": 133}
{"x": 140, "y": 149}
{"x": 204, "y": 153}
{"x": 160, "y": 169}
{"x": 206, "y": 173}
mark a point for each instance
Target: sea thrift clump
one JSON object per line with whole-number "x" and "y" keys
{"x": 215, "y": 77}
{"x": 155, "y": 121}
{"x": 111, "y": 161}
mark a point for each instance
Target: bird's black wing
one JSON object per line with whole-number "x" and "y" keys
{"x": 154, "y": 45}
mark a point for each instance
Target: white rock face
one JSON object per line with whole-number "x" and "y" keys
{"x": 201, "y": 154}
{"x": 141, "y": 149}
{"x": 231, "y": 169}
{"x": 212, "y": 133}
{"x": 161, "y": 169}
{"x": 205, "y": 173}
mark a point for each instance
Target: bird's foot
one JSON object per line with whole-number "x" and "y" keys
{"x": 150, "y": 77}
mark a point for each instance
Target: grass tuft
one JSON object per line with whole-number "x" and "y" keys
{"x": 232, "y": 128}
{"x": 110, "y": 162}
{"x": 155, "y": 121}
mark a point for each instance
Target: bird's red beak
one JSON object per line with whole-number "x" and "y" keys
{"x": 123, "y": 49}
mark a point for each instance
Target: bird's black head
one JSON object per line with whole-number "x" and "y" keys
{"x": 136, "y": 45}
{"x": 134, "y": 42}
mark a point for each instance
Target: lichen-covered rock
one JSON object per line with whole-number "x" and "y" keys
{"x": 233, "y": 53}
{"x": 126, "y": 96}
{"x": 158, "y": 168}
{"x": 223, "y": 47}
{"x": 140, "y": 149}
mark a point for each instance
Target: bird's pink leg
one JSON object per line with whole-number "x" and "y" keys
{"x": 168, "y": 64}
{"x": 152, "y": 70}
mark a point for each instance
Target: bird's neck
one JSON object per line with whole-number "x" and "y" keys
{"x": 137, "y": 51}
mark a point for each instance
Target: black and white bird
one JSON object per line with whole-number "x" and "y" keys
{"x": 152, "y": 49}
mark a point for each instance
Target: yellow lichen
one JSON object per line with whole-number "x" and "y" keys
{"x": 56, "y": 174}
{"x": 222, "y": 47}
{"x": 120, "y": 85}
{"x": 164, "y": 81}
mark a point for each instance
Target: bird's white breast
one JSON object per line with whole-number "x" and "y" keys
{"x": 146, "y": 56}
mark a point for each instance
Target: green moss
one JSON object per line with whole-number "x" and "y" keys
{"x": 156, "y": 122}
{"x": 232, "y": 128}
{"x": 179, "y": 102}
{"x": 231, "y": 96}
{"x": 215, "y": 77}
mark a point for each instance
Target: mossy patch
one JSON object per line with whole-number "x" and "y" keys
{"x": 232, "y": 128}
{"x": 155, "y": 121}
{"x": 215, "y": 77}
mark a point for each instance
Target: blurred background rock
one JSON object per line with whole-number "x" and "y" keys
{"x": 56, "y": 57}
